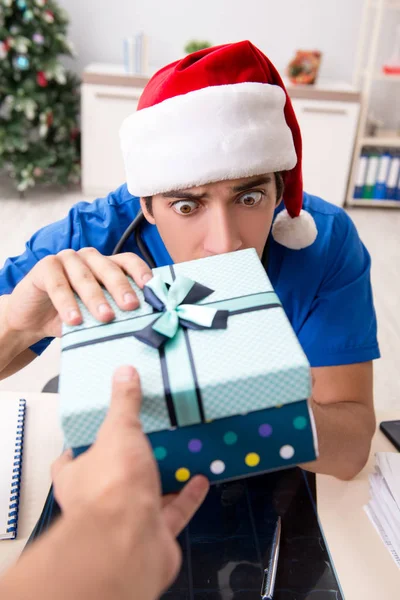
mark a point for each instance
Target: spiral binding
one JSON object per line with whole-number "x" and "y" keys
{"x": 12, "y": 522}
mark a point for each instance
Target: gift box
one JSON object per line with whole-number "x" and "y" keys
{"x": 225, "y": 381}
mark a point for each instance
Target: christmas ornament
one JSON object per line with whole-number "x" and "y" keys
{"x": 48, "y": 16}
{"x": 7, "y": 3}
{"x": 40, "y": 2}
{"x": 3, "y": 50}
{"x": 46, "y": 119}
{"x": 21, "y": 45}
{"x": 38, "y": 39}
{"x": 37, "y": 172}
{"x": 14, "y": 30}
{"x": 21, "y": 62}
{"x": 41, "y": 79}
{"x": 74, "y": 133}
{"x": 21, "y": 4}
{"x": 30, "y": 109}
{"x": 43, "y": 129}
{"x": 6, "y": 107}
{"x": 28, "y": 16}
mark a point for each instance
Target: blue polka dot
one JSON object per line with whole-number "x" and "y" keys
{"x": 300, "y": 422}
{"x": 160, "y": 453}
{"x": 230, "y": 438}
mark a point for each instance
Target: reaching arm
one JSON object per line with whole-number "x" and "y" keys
{"x": 116, "y": 538}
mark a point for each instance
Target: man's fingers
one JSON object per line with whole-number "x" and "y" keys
{"x": 50, "y": 278}
{"x": 112, "y": 276}
{"x": 135, "y": 267}
{"x": 86, "y": 286}
{"x": 126, "y": 398}
{"x": 61, "y": 462}
{"x": 181, "y": 509}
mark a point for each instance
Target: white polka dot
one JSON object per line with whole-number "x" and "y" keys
{"x": 217, "y": 467}
{"x": 286, "y": 452}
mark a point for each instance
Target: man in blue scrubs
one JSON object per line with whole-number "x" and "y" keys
{"x": 213, "y": 159}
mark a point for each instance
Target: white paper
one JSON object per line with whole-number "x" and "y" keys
{"x": 383, "y": 509}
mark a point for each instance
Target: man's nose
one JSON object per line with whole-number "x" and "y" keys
{"x": 222, "y": 233}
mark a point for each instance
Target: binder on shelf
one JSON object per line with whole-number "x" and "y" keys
{"x": 361, "y": 175}
{"x": 393, "y": 178}
{"x": 371, "y": 176}
{"x": 380, "y": 189}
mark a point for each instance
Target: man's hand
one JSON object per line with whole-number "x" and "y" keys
{"x": 117, "y": 481}
{"x": 45, "y": 296}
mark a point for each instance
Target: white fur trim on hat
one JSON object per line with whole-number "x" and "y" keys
{"x": 294, "y": 233}
{"x": 212, "y": 134}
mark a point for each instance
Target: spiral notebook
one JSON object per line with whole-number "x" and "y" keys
{"x": 12, "y": 421}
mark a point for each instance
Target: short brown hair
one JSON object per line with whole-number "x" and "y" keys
{"x": 280, "y": 186}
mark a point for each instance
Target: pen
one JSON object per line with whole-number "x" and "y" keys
{"x": 268, "y": 584}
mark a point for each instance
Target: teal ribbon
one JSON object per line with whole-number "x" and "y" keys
{"x": 168, "y": 323}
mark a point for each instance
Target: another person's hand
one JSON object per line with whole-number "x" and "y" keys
{"x": 44, "y": 298}
{"x": 117, "y": 481}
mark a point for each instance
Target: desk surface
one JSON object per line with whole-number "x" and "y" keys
{"x": 364, "y": 566}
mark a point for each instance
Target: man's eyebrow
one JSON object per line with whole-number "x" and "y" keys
{"x": 253, "y": 183}
{"x": 184, "y": 195}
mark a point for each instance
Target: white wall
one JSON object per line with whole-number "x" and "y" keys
{"x": 278, "y": 27}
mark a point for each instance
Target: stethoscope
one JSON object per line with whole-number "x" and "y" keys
{"x": 134, "y": 229}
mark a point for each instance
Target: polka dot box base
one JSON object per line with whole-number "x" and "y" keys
{"x": 234, "y": 447}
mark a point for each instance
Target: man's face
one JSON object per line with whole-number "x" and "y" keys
{"x": 215, "y": 218}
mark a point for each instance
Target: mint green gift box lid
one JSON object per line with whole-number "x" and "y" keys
{"x": 255, "y": 363}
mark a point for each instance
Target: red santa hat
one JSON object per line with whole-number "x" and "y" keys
{"x": 220, "y": 113}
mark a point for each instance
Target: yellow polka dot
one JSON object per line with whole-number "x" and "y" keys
{"x": 182, "y": 474}
{"x": 252, "y": 459}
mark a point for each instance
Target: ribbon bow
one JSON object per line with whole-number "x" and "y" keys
{"x": 177, "y": 305}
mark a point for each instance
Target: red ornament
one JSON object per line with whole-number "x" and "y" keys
{"x": 41, "y": 79}
{"x": 48, "y": 16}
{"x": 74, "y": 133}
{"x": 50, "y": 119}
{"x": 7, "y": 44}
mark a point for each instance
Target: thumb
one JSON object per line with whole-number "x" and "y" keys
{"x": 126, "y": 399}
{"x": 61, "y": 462}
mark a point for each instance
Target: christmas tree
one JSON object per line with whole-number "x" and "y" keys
{"x": 39, "y": 98}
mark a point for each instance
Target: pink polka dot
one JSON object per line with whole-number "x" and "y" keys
{"x": 195, "y": 445}
{"x": 265, "y": 430}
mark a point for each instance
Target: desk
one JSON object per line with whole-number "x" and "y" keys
{"x": 364, "y": 566}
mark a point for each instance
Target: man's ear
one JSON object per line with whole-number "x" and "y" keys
{"x": 147, "y": 214}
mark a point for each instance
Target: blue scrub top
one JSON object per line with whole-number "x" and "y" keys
{"x": 325, "y": 289}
